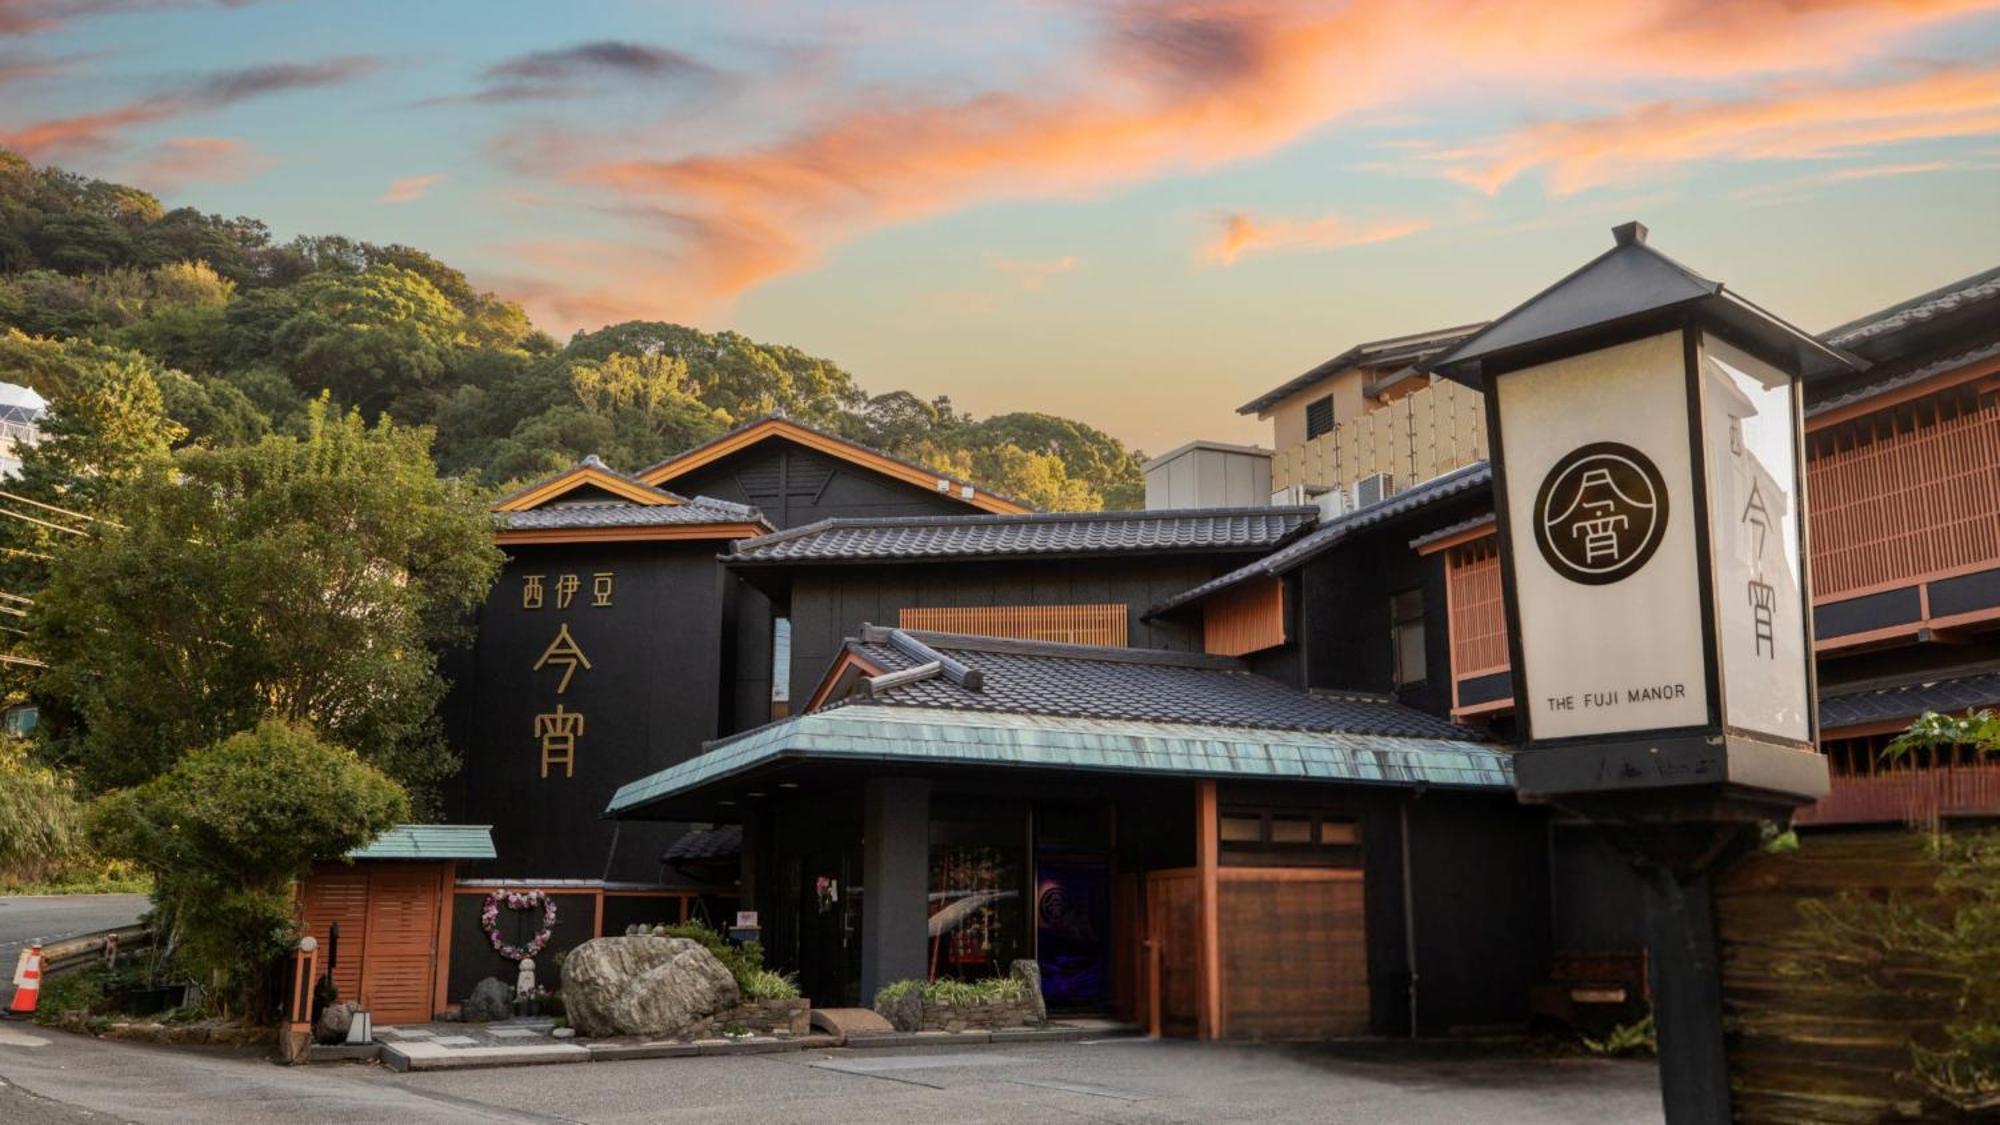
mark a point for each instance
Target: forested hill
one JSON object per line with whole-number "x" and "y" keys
{"x": 241, "y": 332}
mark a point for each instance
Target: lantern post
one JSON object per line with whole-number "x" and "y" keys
{"x": 1649, "y": 479}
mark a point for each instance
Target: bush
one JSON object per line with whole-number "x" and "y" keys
{"x": 226, "y": 833}
{"x": 745, "y": 962}
{"x": 41, "y": 821}
{"x": 956, "y": 993}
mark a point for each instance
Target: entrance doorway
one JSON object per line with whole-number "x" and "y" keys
{"x": 1073, "y": 931}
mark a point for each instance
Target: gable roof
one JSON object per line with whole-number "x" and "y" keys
{"x": 1394, "y": 352}
{"x": 587, "y": 473}
{"x": 990, "y": 674}
{"x": 1034, "y": 535}
{"x": 1627, "y": 283}
{"x": 1458, "y": 482}
{"x": 784, "y": 429}
{"x": 1942, "y": 301}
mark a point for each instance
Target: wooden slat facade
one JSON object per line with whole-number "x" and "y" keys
{"x": 1248, "y": 617}
{"x": 1294, "y": 953}
{"x": 1811, "y": 1047}
{"x": 1478, "y": 612}
{"x": 1904, "y": 496}
{"x": 1103, "y": 624}
{"x": 392, "y": 935}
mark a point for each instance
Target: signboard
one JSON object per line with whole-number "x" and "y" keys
{"x": 1600, "y": 495}
{"x": 746, "y": 919}
{"x": 1751, "y": 445}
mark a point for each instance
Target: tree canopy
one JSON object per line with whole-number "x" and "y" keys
{"x": 241, "y": 332}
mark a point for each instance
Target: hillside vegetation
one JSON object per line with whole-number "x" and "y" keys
{"x": 103, "y": 291}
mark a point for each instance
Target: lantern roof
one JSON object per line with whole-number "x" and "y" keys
{"x": 1633, "y": 285}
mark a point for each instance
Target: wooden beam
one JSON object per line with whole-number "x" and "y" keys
{"x": 441, "y": 945}
{"x": 1208, "y": 846}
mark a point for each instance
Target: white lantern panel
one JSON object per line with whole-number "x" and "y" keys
{"x": 1600, "y": 499}
{"x": 1752, "y": 454}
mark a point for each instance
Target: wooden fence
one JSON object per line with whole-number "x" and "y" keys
{"x": 1066, "y": 624}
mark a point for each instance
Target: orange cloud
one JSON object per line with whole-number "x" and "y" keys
{"x": 1793, "y": 122}
{"x": 1171, "y": 85}
{"x": 1245, "y": 234}
{"x": 409, "y": 189}
{"x": 174, "y": 163}
{"x": 93, "y": 132}
{"x": 1033, "y": 276}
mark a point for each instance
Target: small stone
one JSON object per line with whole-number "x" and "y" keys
{"x": 492, "y": 999}
{"x": 563, "y": 1033}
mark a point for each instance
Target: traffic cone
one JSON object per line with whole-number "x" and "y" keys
{"x": 27, "y": 985}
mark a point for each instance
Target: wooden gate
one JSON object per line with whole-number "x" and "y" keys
{"x": 390, "y": 928}
{"x": 1294, "y": 952}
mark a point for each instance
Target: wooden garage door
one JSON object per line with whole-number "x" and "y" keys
{"x": 1294, "y": 953}
{"x": 400, "y": 951}
{"x": 338, "y": 896}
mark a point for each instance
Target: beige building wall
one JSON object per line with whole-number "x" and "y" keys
{"x": 1430, "y": 431}
{"x": 1288, "y": 415}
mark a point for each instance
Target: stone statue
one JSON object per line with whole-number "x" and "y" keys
{"x": 524, "y": 985}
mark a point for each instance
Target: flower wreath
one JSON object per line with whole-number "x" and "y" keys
{"x": 489, "y": 920}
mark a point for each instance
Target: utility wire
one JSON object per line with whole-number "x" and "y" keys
{"x": 5, "y": 659}
{"x": 58, "y": 511}
{"x": 16, "y": 597}
{"x": 44, "y": 523}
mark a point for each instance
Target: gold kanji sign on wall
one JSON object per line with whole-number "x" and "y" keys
{"x": 564, "y": 651}
{"x": 558, "y": 731}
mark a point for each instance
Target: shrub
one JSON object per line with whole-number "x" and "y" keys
{"x": 226, "y": 833}
{"x": 956, "y": 993}
{"x": 41, "y": 821}
{"x": 745, "y": 962}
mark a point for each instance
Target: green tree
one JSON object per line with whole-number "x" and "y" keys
{"x": 41, "y": 821}
{"x": 309, "y": 578}
{"x": 379, "y": 341}
{"x": 227, "y": 832}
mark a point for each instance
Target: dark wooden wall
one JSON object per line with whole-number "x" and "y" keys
{"x": 831, "y": 603}
{"x": 793, "y": 486}
{"x": 649, "y": 699}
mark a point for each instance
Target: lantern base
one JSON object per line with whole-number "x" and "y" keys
{"x": 1676, "y": 776}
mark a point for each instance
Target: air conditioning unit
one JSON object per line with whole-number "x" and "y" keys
{"x": 1373, "y": 489}
{"x": 1290, "y": 496}
{"x": 1333, "y": 502}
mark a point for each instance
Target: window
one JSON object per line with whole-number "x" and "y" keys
{"x": 1319, "y": 417}
{"x": 1255, "y": 835}
{"x": 1103, "y": 624}
{"x": 1242, "y": 829}
{"x": 22, "y": 721}
{"x": 1406, "y": 629}
{"x": 781, "y": 660}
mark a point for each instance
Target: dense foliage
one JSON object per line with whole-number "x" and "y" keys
{"x": 240, "y": 333}
{"x": 744, "y": 961}
{"x": 308, "y": 578}
{"x": 225, "y": 834}
{"x": 41, "y": 820}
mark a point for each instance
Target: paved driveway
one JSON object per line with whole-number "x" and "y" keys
{"x": 45, "y": 918}
{"x": 1115, "y": 1081}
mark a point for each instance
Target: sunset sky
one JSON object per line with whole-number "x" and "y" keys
{"x": 1139, "y": 214}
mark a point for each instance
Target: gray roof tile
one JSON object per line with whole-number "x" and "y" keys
{"x": 1896, "y": 702}
{"x": 1086, "y": 681}
{"x": 1455, "y": 483}
{"x": 1037, "y": 534}
{"x": 719, "y": 842}
{"x": 622, "y": 513}
{"x": 1981, "y": 286}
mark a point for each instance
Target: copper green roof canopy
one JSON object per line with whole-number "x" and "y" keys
{"x": 429, "y": 841}
{"x": 915, "y": 736}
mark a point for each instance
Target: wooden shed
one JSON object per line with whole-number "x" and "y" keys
{"x": 392, "y": 902}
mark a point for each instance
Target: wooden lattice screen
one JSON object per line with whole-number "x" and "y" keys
{"x": 1905, "y": 496}
{"x": 1478, "y": 614}
{"x": 1066, "y": 624}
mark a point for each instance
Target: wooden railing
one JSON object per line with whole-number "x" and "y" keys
{"x": 1419, "y": 436}
{"x": 1908, "y": 796}
{"x": 1066, "y": 624}
{"x": 1904, "y": 497}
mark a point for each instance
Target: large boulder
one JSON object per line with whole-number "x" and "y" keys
{"x": 643, "y": 985}
{"x": 491, "y": 999}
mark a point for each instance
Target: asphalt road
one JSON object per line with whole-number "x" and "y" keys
{"x": 45, "y": 918}
{"x": 58, "y": 1078}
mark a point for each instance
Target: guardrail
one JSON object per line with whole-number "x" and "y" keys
{"x": 84, "y": 950}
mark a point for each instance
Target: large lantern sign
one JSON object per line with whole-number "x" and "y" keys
{"x": 1645, "y": 424}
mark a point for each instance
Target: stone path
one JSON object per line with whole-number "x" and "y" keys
{"x": 457, "y": 1046}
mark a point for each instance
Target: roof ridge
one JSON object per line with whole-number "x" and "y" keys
{"x": 1110, "y": 654}
{"x": 1857, "y": 328}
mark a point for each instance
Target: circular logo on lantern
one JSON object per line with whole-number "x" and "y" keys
{"x": 1601, "y": 513}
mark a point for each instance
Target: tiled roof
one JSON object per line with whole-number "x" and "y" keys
{"x": 1038, "y": 534}
{"x": 1982, "y": 286}
{"x": 930, "y": 737}
{"x": 1896, "y": 702}
{"x": 1396, "y": 351}
{"x": 1087, "y": 681}
{"x": 1455, "y": 483}
{"x": 1907, "y": 378}
{"x": 622, "y": 513}
{"x": 1484, "y": 519}
{"x": 719, "y": 842}
{"x": 430, "y": 841}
